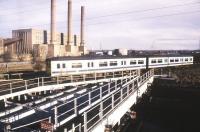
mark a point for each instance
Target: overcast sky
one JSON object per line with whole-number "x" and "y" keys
{"x": 110, "y": 24}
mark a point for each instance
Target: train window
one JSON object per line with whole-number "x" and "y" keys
{"x": 186, "y": 59}
{"x": 58, "y": 66}
{"x": 113, "y": 63}
{"x": 140, "y": 61}
{"x": 181, "y": 59}
{"x": 171, "y": 60}
{"x": 176, "y": 60}
{"x": 191, "y": 59}
{"x": 90, "y": 64}
{"x": 63, "y": 65}
{"x": 123, "y": 62}
{"x": 133, "y": 62}
{"x": 159, "y": 60}
{"x": 153, "y": 61}
{"x": 166, "y": 60}
{"x": 76, "y": 65}
{"x": 103, "y": 64}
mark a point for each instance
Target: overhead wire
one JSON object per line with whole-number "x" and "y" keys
{"x": 151, "y": 9}
{"x": 125, "y": 13}
{"x": 127, "y": 20}
{"x": 129, "y": 12}
{"x": 114, "y": 14}
{"x": 144, "y": 18}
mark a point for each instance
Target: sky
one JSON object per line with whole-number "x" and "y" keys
{"x": 111, "y": 24}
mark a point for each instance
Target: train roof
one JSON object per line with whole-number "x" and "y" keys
{"x": 107, "y": 57}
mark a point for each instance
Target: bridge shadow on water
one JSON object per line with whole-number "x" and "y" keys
{"x": 167, "y": 107}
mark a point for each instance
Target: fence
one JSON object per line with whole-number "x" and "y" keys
{"x": 116, "y": 94}
{"x": 17, "y": 86}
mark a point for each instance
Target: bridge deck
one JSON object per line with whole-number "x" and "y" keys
{"x": 67, "y": 104}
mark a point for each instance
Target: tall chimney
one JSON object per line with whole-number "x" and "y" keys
{"x": 69, "y": 23}
{"x": 82, "y": 25}
{"x": 53, "y": 21}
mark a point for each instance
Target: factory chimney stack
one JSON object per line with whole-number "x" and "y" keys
{"x": 53, "y": 21}
{"x": 82, "y": 25}
{"x": 69, "y": 23}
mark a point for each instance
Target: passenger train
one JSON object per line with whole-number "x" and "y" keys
{"x": 90, "y": 64}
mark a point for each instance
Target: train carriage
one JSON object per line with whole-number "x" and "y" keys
{"x": 60, "y": 66}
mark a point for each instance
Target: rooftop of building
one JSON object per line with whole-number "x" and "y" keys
{"x": 93, "y": 57}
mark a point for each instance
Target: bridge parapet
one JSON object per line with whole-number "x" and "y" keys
{"x": 49, "y": 83}
{"x": 112, "y": 108}
{"x": 100, "y": 101}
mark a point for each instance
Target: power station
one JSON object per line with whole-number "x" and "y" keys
{"x": 43, "y": 44}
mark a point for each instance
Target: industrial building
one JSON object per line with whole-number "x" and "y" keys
{"x": 1, "y": 48}
{"x": 43, "y": 44}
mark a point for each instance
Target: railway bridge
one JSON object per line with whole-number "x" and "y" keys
{"x": 71, "y": 103}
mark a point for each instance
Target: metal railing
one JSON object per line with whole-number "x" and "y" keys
{"x": 91, "y": 98}
{"x": 113, "y": 91}
{"x": 17, "y": 86}
{"x": 95, "y": 114}
{"x": 78, "y": 106}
